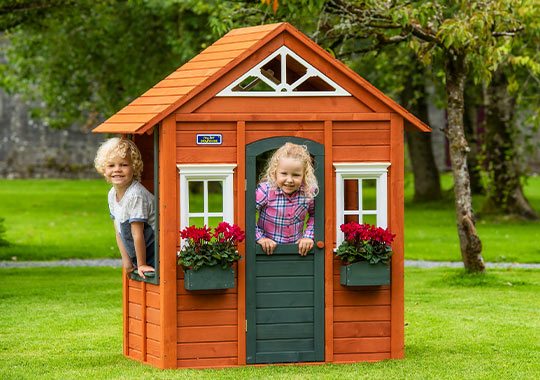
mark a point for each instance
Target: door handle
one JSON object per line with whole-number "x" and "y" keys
{"x": 320, "y": 244}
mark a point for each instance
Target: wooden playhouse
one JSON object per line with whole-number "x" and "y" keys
{"x": 205, "y": 127}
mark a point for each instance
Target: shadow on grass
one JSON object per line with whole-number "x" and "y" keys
{"x": 462, "y": 279}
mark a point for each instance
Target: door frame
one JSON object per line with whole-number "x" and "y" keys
{"x": 252, "y": 151}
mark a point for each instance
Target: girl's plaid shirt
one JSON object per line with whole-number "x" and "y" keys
{"x": 281, "y": 216}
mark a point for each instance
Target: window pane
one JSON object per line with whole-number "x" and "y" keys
{"x": 196, "y": 196}
{"x": 369, "y": 194}
{"x": 197, "y": 222}
{"x": 369, "y": 219}
{"x": 351, "y": 194}
{"x": 215, "y": 196}
{"x": 214, "y": 221}
{"x": 351, "y": 218}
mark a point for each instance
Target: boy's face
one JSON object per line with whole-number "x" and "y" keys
{"x": 289, "y": 174}
{"x": 119, "y": 171}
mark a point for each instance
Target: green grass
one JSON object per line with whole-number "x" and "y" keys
{"x": 59, "y": 219}
{"x": 66, "y": 323}
{"x": 56, "y": 219}
{"x": 431, "y": 232}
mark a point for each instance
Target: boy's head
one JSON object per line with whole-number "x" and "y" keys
{"x": 117, "y": 147}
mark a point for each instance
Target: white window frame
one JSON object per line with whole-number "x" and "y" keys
{"x": 282, "y": 88}
{"x": 369, "y": 170}
{"x": 205, "y": 173}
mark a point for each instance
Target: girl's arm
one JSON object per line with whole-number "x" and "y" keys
{"x": 137, "y": 230}
{"x": 261, "y": 199}
{"x": 310, "y": 232}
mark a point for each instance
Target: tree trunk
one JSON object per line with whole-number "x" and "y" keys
{"x": 470, "y": 244}
{"x": 505, "y": 193}
{"x": 427, "y": 183}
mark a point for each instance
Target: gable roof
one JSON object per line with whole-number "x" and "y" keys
{"x": 183, "y": 84}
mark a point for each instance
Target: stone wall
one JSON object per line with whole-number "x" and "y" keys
{"x": 29, "y": 149}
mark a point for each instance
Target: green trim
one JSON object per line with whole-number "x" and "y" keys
{"x": 269, "y": 279}
{"x": 206, "y": 278}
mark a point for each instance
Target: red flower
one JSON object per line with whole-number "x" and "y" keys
{"x": 356, "y": 233}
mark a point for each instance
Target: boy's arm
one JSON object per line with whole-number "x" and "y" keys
{"x": 126, "y": 261}
{"x": 137, "y": 230}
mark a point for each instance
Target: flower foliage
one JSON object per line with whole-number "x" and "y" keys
{"x": 364, "y": 242}
{"x": 206, "y": 247}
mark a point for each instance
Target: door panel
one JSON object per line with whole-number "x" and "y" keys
{"x": 284, "y": 291}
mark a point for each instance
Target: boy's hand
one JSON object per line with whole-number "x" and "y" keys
{"x": 304, "y": 246}
{"x": 144, "y": 268}
{"x": 267, "y": 245}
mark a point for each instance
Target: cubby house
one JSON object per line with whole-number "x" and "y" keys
{"x": 203, "y": 131}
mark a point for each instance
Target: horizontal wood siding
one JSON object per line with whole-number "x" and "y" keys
{"x": 361, "y": 141}
{"x": 312, "y": 130}
{"x": 283, "y": 105}
{"x": 143, "y": 337}
{"x": 361, "y": 321}
{"x": 188, "y": 152}
{"x": 207, "y": 332}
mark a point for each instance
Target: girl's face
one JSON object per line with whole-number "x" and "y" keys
{"x": 119, "y": 171}
{"x": 289, "y": 174}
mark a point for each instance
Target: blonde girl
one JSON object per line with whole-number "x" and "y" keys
{"x": 284, "y": 196}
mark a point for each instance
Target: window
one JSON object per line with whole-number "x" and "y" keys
{"x": 206, "y": 194}
{"x": 361, "y": 194}
{"x": 283, "y": 73}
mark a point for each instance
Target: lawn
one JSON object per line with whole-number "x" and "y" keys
{"x": 431, "y": 232}
{"x": 59, "y": 219}
{"x": 56, "y": 219}
{"x": 66, "y": 323}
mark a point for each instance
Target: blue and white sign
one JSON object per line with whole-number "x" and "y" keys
{"x": 215, "y": 139}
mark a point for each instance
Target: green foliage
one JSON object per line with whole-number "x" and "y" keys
{"x": 351, "y": 253}
{"x": 85, "y": 60}
{"x": 203, "y": 247}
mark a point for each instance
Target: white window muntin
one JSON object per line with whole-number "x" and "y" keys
{"x": 283, "y": 88}
{"x": 360, "y": 171}
{"x": 206, "y": 173}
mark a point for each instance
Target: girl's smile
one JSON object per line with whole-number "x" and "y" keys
{"x": 289, "y": 174}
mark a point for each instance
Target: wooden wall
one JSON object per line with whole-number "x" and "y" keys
{"x": 358, "y": 321}
{"x": 142, "y": 326}
{"x": 142, "y": 321}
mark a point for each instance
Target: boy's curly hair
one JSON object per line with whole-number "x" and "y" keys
{"x": 119, "y": 147}
{"x": 298, "y": 152}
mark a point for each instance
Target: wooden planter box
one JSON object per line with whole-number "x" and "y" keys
{"x": 365, "y": 274}
{"x": 207, "y": 278}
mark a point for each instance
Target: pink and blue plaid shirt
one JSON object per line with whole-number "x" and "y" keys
{"x": 281, "y": 216}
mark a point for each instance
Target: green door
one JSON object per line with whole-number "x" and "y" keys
{"x": 284, "y": 291}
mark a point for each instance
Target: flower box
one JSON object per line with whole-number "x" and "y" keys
{"x": 207, "y": 278}
{"x": 363, "y": 273}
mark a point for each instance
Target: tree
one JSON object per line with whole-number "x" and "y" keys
{"x": 512, "y": 103}
{"x": 505, "y": 192}
{"x": 462, "y": 38}
{"x": 81, "y": 61}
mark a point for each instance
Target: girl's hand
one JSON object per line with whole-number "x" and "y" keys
{"x": 304, "y": 246}
{"x": 267, "y": 245}
{"x": 144, "y": 268}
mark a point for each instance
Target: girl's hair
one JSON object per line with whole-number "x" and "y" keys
{"x": 297, "y": 152}
{"x": 119, "y": 147}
